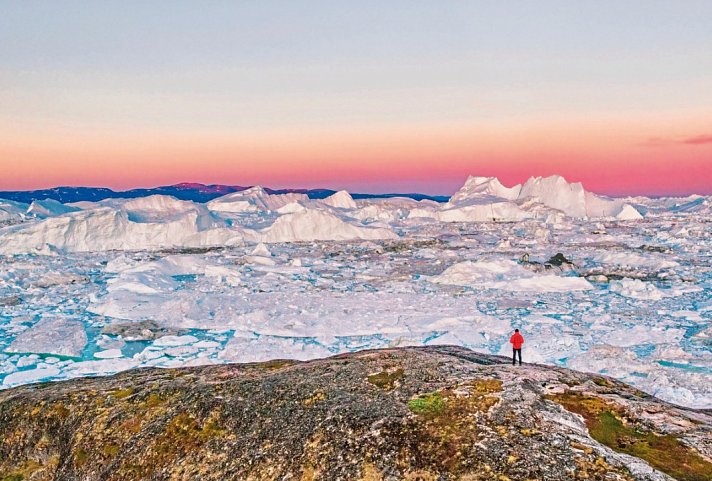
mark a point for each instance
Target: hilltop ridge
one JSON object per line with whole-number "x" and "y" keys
{"x": 434, "y": 413}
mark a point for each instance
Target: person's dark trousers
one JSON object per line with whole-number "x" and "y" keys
{"x": 516, "y": 352}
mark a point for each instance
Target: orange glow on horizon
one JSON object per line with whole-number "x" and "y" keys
{"x": 608, "y": 157}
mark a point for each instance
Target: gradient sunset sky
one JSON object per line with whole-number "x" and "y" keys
{"x": 372, "y": 96}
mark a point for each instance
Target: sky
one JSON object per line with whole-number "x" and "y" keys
{"x": 371, "y": 96}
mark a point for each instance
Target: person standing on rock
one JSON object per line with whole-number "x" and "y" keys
{"x": 516, "y": 340}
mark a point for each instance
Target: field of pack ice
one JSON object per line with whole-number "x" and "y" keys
{"x": 615, "y": 286}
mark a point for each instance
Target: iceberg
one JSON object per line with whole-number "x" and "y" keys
{"x": 313, "y": 225}
{"x": 11, "y": 212}
{"x": 483, "y": 199}
{"x": 254, "y": 199}
{"x": 340, "y": 200}
{"x": 49, "y": 208}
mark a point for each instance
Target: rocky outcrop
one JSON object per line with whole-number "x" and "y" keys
{"x": 436, "y": 413}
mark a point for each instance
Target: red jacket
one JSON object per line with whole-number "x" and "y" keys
{"x": 517, "y": 340}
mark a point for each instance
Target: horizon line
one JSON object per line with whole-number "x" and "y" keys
{"x": 352, "y": 192}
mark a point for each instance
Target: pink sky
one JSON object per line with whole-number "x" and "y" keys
{"x": 609, "y": 157}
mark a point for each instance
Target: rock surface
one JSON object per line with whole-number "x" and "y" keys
{"x": 434, "y": 413}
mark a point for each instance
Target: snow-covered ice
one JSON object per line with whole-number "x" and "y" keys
{"x": 100, "y": 287}
{"x": 507, "y": 275}
{"x": 636, "y": 289}
{"x": 52, "y": 336}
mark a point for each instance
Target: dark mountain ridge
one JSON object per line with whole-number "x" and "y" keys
{"x": 184, "y": 191}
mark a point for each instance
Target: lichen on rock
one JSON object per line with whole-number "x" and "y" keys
{"x": 434, "y": 413}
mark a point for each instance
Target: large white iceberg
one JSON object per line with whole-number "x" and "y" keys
{"x": 486, "y": 199}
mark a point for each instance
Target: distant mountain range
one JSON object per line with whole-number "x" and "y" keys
{"x": 185, "y": 191}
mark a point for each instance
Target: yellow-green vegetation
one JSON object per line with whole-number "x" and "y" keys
{"x": 154, "y": 400}
{"x": 124, "y": 413}
{"x": 597, "y": 468}
{"x": 110, "y": 450}
{"x": 175, "y": 373}
{"x": 427, "y": 404}
{"x": 601, "y": 381}
{"x": 487, "y": 386}
{"x": 447, "y": 421}
{"x": 80, "y": 457}
{"x": 317, "y": 397}
{"x": 369, "y": 472}
{"x": 386, "y": 379}
{"x": 186, "y": 428}
{"x": 183, "y": 434}
{"x": 32, "y": 469}
{"x": 61, "y": 411}
{"x": 275, "y": 364}
{"x": 609, "y": 425}
{"x": 13, "y": 477}
{"x": 122, "y": 393}
{"x": 475, "y": 395}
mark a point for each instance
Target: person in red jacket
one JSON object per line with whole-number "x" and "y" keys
{"x": 516, "y": 340}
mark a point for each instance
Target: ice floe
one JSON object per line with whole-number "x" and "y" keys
{"x": 509, "y": 276}
{"x": 60, "y": 336}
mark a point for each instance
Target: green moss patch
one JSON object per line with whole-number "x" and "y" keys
{"x": 609, "y": 425}
{"x": 427, "y": 404}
